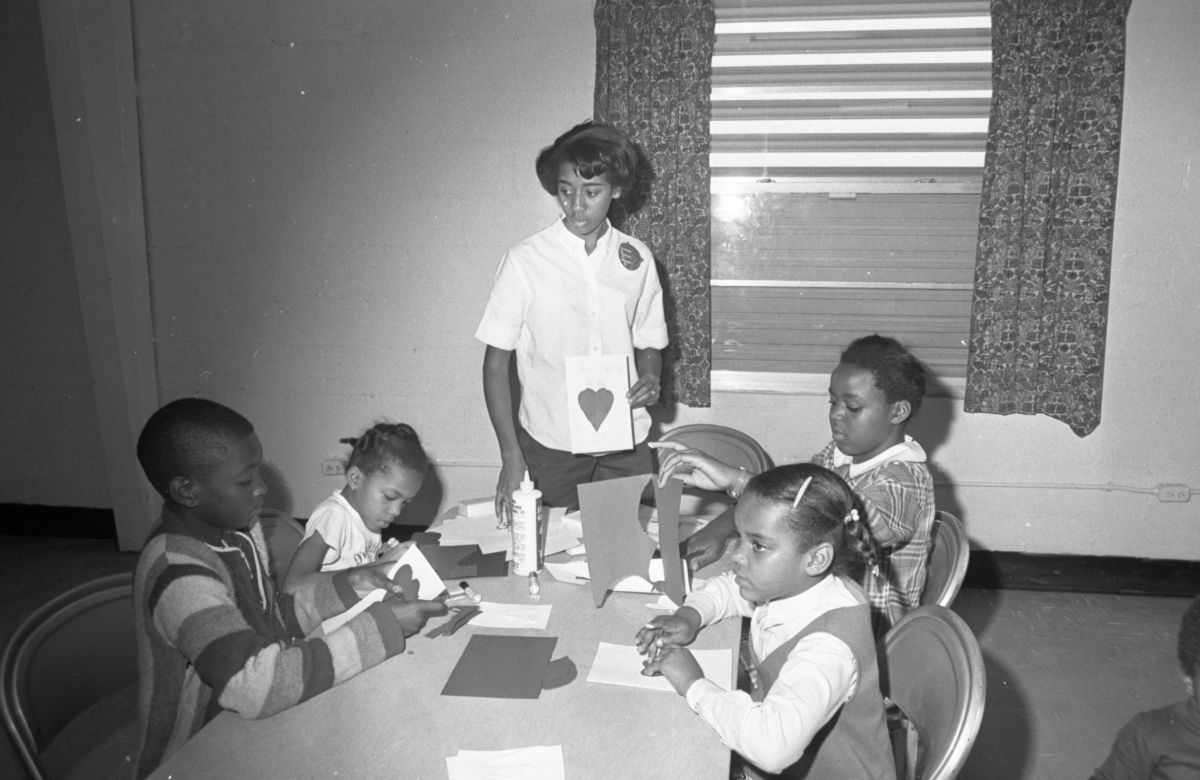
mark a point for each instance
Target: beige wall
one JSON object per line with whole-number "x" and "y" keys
{"x": 327, "y": 195}
{"x": 50, "y": 450}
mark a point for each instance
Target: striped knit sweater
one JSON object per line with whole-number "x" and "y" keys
{"x": 213, "y": 635}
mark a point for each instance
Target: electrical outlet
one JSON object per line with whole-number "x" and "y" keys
{"x": 333, "y": 467}
{"x": 1174, "y": 493}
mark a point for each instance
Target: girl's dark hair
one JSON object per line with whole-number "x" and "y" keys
{"x": 829, "y": 511}
{"x": 593, "y": 148}
{"x": 384, "y": 445}
{"x": 1189, "y": 641}
{"x": 898, "y": 375}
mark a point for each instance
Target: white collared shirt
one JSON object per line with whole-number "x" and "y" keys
{"x": 551, "y": 299}
{"x": 819, "y": 676}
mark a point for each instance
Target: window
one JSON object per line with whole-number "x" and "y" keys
{"x": 847, "y": 155}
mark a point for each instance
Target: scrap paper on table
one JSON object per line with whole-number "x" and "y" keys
{"x": 562, "y": 533}
{"x": 622, "y": 665}
{"x": 494, "y": 614}
{"x": 541, "y": 761}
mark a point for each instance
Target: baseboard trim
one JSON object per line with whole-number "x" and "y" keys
{"x": 58, "y": 522}
{"x": 1082, "y": 573}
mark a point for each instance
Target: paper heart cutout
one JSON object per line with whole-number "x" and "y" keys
{"x": 404, "y": 578}
{"x": 596, "y": 405}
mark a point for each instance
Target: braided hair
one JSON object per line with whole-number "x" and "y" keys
{"x": 828, "y": 511}
{"x": 384, "y": 445}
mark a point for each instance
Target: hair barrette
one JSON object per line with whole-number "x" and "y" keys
{"x": 800, "y": 493}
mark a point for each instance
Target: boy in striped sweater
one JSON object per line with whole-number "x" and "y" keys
{"x": 213, "y": 633}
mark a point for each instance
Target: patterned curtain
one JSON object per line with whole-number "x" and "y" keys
{"x": 653, "y": 76}
{"x": 1040, "y": 308}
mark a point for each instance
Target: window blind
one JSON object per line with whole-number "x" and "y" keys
{"x": 847, "y": 155}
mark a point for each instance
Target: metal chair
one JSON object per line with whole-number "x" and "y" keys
{"x": 933, "y": 672}
{"x": 69, "y": 682}
{"x": 948, "y": 560}
{"x": 283, "y": 536}
{"x": 727, "y": 445}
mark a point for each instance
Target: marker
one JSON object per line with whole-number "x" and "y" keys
{"x": 471, "y": 594}
{"x": 535, "y": 587}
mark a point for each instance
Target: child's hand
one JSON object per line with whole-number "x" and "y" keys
{"x": 411, "y": 615}
{"x": 677, "y": 664}
{"x": 644, "y": 392}
{"x": 678, "y": 629}
{"x": 692, "y": 467}
{"x": 709, "y": 543}
{"x": 365, "y": 579}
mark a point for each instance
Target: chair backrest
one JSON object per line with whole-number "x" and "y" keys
{"x": 283, "y": 536}
{"x": 70, "y": 654}
{"x": 933, "y": 671}
{"x": 727, "y": 445}
{"x": 948, "y": 560}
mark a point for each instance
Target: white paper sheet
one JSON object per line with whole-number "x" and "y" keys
{"x": 622, "y": 665}
{"x": 561, "y": 533}
{"x": 494, "y": 614}
{"x": 542, "y": 761}
{"x": 430, "y": 586}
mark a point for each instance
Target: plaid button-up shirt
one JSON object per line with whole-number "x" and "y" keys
{"x": 897, "y": 491}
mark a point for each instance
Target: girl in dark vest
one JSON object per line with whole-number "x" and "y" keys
{"x": 815, "y": 709}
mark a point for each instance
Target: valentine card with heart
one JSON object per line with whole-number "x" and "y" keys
{"x": 596, "y": 406}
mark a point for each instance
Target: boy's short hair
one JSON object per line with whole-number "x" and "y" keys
{"x": 188, "y": 437}
{"x": 1189, "y": 640}
{"x": 897, "y": 373}
{"x": 594, "y": 148}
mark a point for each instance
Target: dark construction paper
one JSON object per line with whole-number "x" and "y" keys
{"x": 501, "y": 667}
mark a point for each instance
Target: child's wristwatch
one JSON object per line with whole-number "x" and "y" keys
{"x": 739, "y": 484}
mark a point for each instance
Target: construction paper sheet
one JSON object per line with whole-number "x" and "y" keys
{"x": 622, "y": 665}
{"x": 598, "y": 413}
{"x": 618, "y": 546}
{"x": 453, "y": 562}
{"x": 501, "y": 667}
{"x": 430, "y": 587}
{"x": 543, "y": 761}
{"x": 497, "y": 615}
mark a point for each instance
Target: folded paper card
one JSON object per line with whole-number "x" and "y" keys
{"x": 430, "y": 586}
{"x": 501, "y": 667}
{"x": 597, "y": 411}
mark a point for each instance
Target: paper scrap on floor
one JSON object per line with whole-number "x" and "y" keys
{"x": 494, "y": 614}
{"x": 622, "y": 665}
{"x": 541, "y": 761}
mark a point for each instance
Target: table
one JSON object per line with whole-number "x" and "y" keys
{"x": 392, "y": 721}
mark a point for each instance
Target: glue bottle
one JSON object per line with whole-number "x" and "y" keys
{"x": 526, "y": 507}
